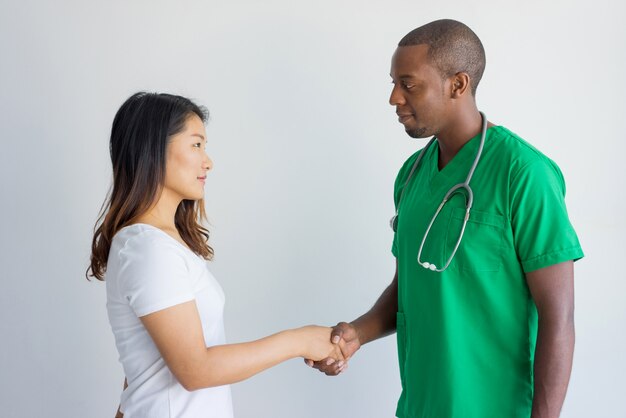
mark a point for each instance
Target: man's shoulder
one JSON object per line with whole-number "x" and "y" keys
{"x": 517, "y": 153}
{"x": 521, "y": 160}
{"x": 511, "y": 144}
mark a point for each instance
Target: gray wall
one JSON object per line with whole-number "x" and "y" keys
{"x": 306, "y": 149}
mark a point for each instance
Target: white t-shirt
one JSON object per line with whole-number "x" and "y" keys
{"x": 147, "y": 271}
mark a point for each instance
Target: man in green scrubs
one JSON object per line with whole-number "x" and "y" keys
{"x": 493, "y": 334}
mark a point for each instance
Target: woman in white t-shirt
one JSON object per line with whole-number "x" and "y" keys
{"x": 164, "y": 306}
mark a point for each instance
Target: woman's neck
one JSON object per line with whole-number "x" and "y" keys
{"x": 162, "y": 215}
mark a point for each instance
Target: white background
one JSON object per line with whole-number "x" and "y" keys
{"x": 306, "y": 149}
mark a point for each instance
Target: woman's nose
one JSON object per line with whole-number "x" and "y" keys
{"x": 208, "y": 163}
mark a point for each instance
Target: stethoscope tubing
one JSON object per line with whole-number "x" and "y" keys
{"x": 469, "y": 200}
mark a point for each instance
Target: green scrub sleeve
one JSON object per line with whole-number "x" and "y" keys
{"x": 542, "y": 232}
{"x": 397, "y": 189}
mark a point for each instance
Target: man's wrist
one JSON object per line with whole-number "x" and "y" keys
{"x": 358, "y": 330}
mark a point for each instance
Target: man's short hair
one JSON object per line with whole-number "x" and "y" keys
{"x": 452, "y": 48}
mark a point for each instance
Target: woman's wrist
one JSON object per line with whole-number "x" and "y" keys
{"x": 295, "y": 341}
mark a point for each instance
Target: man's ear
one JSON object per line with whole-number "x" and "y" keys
{"x": 460, "y": 85}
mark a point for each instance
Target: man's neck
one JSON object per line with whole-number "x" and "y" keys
{"x": 463, "y": 128}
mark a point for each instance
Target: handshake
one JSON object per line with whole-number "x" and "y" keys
{"x": 330, "y": 349}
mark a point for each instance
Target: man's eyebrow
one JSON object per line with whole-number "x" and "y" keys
{"x": 403, "y": 76}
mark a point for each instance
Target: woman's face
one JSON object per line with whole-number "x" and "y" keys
{"x": 187, "y": 162}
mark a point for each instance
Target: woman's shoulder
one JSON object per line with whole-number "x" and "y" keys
{"x": 141, "y": 250}
{"x": 145, "y": 241}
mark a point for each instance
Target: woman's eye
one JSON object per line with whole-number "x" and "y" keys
{"x": 198, "y": 145}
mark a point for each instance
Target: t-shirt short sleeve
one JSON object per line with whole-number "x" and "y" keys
{"x": 154, "y": 274}
{"x": 542, "y": 233}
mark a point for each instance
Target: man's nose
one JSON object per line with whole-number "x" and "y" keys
{"x": 396, "y": 98}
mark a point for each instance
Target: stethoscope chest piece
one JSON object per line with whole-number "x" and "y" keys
{"x": 393, "y": 223}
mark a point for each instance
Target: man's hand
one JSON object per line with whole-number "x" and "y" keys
{"x": 376, "y": 323}
{"x": 346, "y": 336}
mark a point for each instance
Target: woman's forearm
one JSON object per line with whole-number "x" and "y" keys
{"x": 177, "y": 333}
{"x": 230, "y": 363}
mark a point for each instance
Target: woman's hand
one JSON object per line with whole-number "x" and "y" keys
{"x": 119, "y": 414}
{"x": 316, "y": 343}
{"x": 347, "y": 338}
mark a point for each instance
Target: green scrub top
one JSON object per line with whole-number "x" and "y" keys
{"x": 466, "y": 337}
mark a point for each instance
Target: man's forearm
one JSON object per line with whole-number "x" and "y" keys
{"x": 376, "y": 323}
{"x": 553, "y": 366}
{"x": 379, "y": 321}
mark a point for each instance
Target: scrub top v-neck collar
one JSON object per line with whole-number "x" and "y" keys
{"x": 439, "y": 179}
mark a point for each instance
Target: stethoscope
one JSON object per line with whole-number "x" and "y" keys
{"x": 469, "y": 199}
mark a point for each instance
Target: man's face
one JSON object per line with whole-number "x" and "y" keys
{"x": 418, "y": 91}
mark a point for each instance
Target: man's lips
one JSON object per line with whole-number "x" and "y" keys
{"x": 404, "y": 117}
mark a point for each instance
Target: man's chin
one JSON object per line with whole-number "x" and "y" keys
{"x": 417, "y": 133}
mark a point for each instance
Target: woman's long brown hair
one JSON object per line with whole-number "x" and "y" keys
{"x": 141, "y": 131}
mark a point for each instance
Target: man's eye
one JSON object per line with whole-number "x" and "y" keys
{"x": 408, "y": 86}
